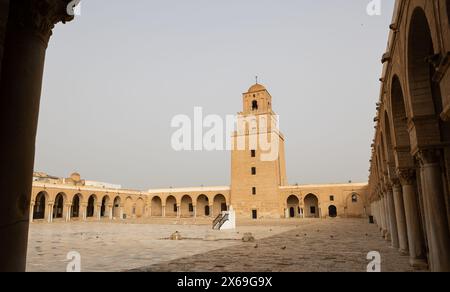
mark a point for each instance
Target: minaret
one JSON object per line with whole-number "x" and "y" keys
{"x": 255, "y": 175}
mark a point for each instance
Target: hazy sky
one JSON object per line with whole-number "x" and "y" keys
{"x": 117, "y": 75}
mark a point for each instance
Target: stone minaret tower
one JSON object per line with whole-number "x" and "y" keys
{"x": 255, "y": 175}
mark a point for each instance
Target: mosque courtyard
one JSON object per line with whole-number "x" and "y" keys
{"x": 331, "y": 245}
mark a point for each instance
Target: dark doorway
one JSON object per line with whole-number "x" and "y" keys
{"x": 224, "y": 207}
{"x": 207, "y": 211}
{"x": 90, "y": 207}
{"x": 75, "y": 207}
{"x": 292, "y": 212}
{"x": 255, "y": 214}
{"x": 58, "y": 207}
{"x": 332, "y": 211}
{"x": 39, "y": 207}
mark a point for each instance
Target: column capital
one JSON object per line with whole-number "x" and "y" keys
{"x": 428, "y": 156}
{"x": 40, "y": 16}
{"x": 407, "y": 176}
{"x": 395, "y": 182}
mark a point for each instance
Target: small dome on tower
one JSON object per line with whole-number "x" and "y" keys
{"x": 257, "y": 87}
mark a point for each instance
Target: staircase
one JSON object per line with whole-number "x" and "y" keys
{"x": 219, "y": 221}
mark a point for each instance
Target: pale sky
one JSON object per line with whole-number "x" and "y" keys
{"x": 117, "y": 75}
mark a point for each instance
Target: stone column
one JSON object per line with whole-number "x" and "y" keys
{"x": 98, "y": 212}
{"x": 392, "y": 217}
{"x": 400, "y": 217}
{"x": 29, "y": 28}
{"x": 67, "y": 213}
{"x": 211, "y": 211}
{"x": 31, "y": 212}
{"x": 178, "y": 211}
{"x": 50, "y": 213}
{"x": 163, "y": 211}
{"x": 110, "y": 212}
{"x": 195, "y": 211}
{"x": 435, "y": 211}
{"x": 121, "y": 213}
{"x": 83, "y": 212}
{"x": 387, "y": 221}
{"x": 383, "y": 217}
{"x": 416, "y": 242}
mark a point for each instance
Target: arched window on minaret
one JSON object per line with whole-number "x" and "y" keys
{"x": 255, "y": 105}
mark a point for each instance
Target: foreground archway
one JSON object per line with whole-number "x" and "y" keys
{"x": 311, "y": 206}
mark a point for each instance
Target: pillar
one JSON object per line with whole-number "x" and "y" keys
{"x": 83, "y": 212}
{"x": 195, "y": 211}
{"x": 400, "y": 217}
{"x": 31, "y": 212}
{"x": 163, "y": 211}
{"x": 392, "y": 217}
{"x": 111, "y": 209}
{"x": 98, "y": 212}
{"x": 50, "y": 213}
{"x": 178, "y": 211}
{"x": 25, "y": 43}
{"x": 121, "y": 212}
{"x": 67, "y": 212}
{"x": 383, "y": 217}
{"x": 416, "y": 242}
{"x": 211, "y": 210}
{"x": 438, "y": 235}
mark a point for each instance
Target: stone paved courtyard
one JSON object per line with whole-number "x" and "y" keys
{"x": 294, "y": 245}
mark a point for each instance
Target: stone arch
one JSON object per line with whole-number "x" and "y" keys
{"x": 75, "y": 208}
{"x": 186, "y": 206}
{"x": 156, "y": 206}
{"x": 128, "y": 208}
{"x": 399, "y": 125}
{"x": 58, "y": 205}
{"x": 293, "y": 206}
{"x": 117, "y": 207}
{"x": 311, "y": 203}
{"x": 140, "y": 207}
{"x": 171, "y": 206}
{"x": 332, "y": 211}
{"x": 203, "y": 206}
{"x": 104, "y": 209}
{"x": 40, "y": 203}
{"x": 219, "y": 204}
{"x": 91, "y": 206}
{"x": 420, "y": 52}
